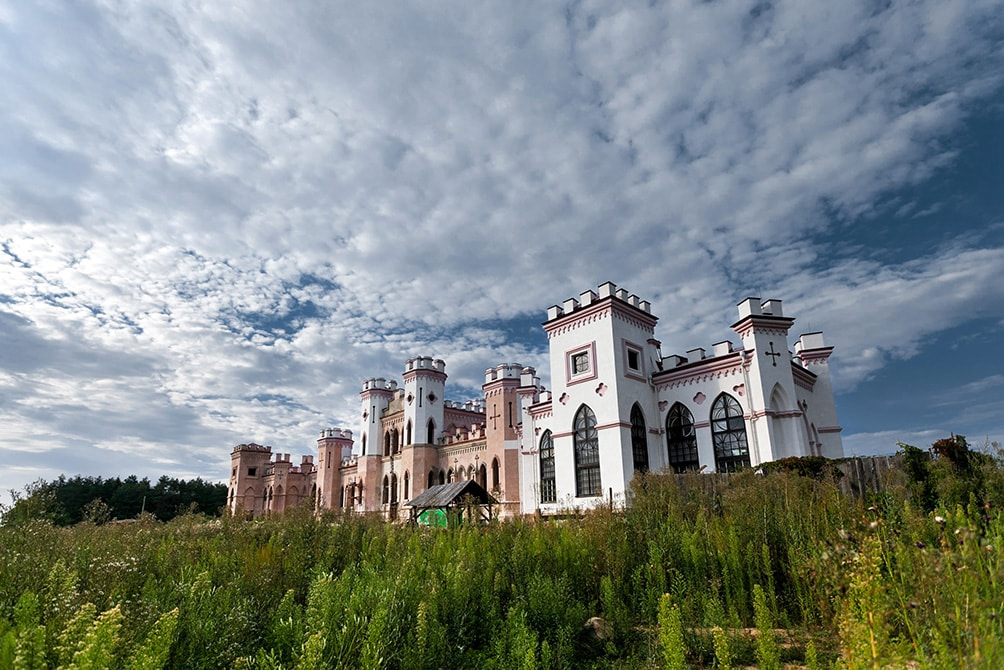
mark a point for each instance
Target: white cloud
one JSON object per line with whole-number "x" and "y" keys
{"x": 176, "y": 171}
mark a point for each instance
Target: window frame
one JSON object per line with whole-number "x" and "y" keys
{"x": 586, "y": 448}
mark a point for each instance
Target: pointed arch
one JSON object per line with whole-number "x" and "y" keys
{"x": 430, "y": 432}
{"x": 495, "y": 474}
{"x": 393, "y": 489}
{"x": 395, "y": 441}
{"x": 586, "y": 445}
{"x": 386, "y": 443}
{"x": 778, "y": 398}
{"x": 681, "y": 439}
{"x": 432, "y": 478}
{"x": 442, "y": 477}
{"x": 728, "y": 432}
{"x": 639, "y": 439}
{"x": 450, "y": 475}
{"x": 364, "y": 444}
{"x": 407, "y": 483}
{"x": 385, "y": 498}
{"x": 407, "y": 432}
{"x": 548, "y": 493}
{"x": 483, "y": 476}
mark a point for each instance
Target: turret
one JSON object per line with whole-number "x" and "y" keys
{"x": 424, "y": 390}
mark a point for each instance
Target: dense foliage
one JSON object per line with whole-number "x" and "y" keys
{"x": 68, "y": 501}
{"x": 699, "y": 572}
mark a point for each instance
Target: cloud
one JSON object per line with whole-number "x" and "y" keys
{"x": 205, "y": 206}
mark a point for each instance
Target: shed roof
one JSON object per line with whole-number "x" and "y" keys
{"x": 447, "y": 495}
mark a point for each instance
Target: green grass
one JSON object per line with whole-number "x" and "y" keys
{"x": 684, "y": 578}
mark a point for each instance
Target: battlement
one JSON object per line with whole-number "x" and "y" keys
{"x": 466, "y": 406}
{"x": 379, "y": 384}
{"x": 505, "y": 371}
{"x": 251, "y": 446}
{"x": 753, "y": 307}
{"x": 337, "y": 433}
{"x": 586, "y": 298}
{"x": 425, "y": 363}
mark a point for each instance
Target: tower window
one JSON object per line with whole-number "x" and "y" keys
{"x": 639, "y": 439}
{"x": 252, "y": 472}
{"x": 728, "y": 431}
{"x": 681, "y": 440}
{"x": 580, "y": 363}
{"x": 548, "y": 492}
{"x": 587, "y": 454}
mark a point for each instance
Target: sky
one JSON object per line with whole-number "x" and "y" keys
{"x": 217, "y": 219}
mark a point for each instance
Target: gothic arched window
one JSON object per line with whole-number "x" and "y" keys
{"x": 728, "y": 432}
{"x": 432, "y": 478}
{"x": 407, "y": 433}
{"x": 548, "y": 493}
{"x": 407, "y": 483}
{"x": 681, "y": 440}
{"x": 386, "y": 490}
{"x": 639, "y": 439}
{"x": 386, "y": 443}
{"x": 430, "y": 437}
{"x": 587, "y": 454}
{"x": 495, "y": 474}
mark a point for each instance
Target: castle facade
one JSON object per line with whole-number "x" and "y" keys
{"x": 616, "y": 407}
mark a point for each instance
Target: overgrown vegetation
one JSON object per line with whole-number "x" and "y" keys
{"x": 767, "y": 570}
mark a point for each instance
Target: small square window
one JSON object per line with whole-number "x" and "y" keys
{"x": 580, "y": 363}
{"x": 252, "y": 472}
{"x": 634, "y": 360}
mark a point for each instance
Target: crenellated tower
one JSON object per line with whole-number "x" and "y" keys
{"x": 424, "y": 390}
{"x": 770, "y": 397}
{"x": 374, "y": 399}
{"x": 333, "y": 447}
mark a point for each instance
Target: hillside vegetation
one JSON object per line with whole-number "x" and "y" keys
{"x": 762, "y": 570}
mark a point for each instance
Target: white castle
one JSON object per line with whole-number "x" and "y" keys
{"x": 617, "y": 407}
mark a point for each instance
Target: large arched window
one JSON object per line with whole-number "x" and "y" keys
{"x": 395, "y": 441}
{"x": 393, "y": 489}
{"x": 442, "y": 476}
{"x": 639, "y": 439}
{"x": 681, "y": 440}
{"x": 386, "y": 443}
{"x": 495, "y": 474}
{"x": 548, "y": 493}
{"x": 407, "y": 483}
{"x": 364, "y": 444}
{"x": 386, "y": 490}
{"x": 407, "y": 433}
{"x": 483, "y": 476}
{"x": 587, "y": 454}
{"x": 430, "y": 432}
{"x": 432, "y": 478}
{"x": 728, "y": 432}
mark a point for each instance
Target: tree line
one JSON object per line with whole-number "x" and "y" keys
{"x": 65, "y": 502}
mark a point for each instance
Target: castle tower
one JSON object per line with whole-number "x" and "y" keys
{"x": 424, "y": 388}
{"x": 333, "y": 446}
{"x": 770, "y": 399}
{"x": 503, "y": 418}
{"x": 247, "y": 473}
{"x": 821, "y": 411}
{"x": 602, "y": 352}
{"x": 374, "y": 399}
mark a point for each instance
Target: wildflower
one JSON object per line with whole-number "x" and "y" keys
{"x": 920, "y": 545}
{"x": 873, "y": 525}
{"x": 873, "y": 509}
{"x": 939, "y": 520}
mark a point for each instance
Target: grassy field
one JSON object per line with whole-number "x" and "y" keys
{"x": 762, "y": 571}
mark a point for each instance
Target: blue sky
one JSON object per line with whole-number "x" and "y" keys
{"x": 215, "y": 221}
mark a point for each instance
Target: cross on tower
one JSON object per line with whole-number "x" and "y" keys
{"x": 495, "y": 417}
{"x": 773, "y": 354}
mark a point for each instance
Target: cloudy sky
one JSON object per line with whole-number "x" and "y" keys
{"x": 217, "y": 219}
